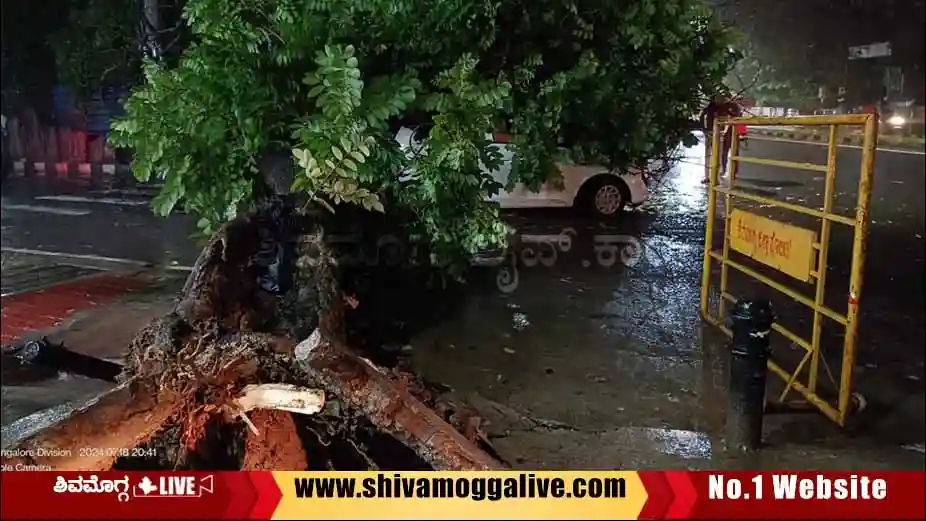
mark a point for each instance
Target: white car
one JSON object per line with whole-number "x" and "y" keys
{"x": 590, "y": 188}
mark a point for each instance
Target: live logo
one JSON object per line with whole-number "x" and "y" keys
{"x": 178, "y": 486}
{"x": 171, "y": 486}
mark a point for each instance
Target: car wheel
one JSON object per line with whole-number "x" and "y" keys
{"x": 606, "y": 198}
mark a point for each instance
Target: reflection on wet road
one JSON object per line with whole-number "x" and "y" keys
{"x": 595, "y": 357}
{"x": 618, "y": 352}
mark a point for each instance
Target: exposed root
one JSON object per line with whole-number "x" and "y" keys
{"x": 218, "y": 376}
{"x": 390, "y": 406}
{"x": 194, "y": 426}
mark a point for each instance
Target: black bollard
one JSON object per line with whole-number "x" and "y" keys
{"x": 749, "y": 352}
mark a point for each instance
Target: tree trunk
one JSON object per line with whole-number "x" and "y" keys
{"x": 226, "y": 332}
{"x": 151, "y": 15}
{"x": 389, "y": 405}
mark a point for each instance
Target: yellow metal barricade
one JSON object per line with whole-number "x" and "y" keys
{"x": 763, "y": 239}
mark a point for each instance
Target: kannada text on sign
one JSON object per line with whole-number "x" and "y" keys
{"x": 786, "y": 248}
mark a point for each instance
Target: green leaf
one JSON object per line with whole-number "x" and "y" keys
{"x": 299, "y": 184}
{"x": 345, "y": 144}
{"x": 265, "y": 75}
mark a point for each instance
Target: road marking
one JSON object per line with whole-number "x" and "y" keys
{"x": 92, "y": 258}
{"x": 45, "y": 209}
{"x": 821, "y": 144}
{"x": 77, "y": 256}
{"x": 98, "y": 200}
{"x": 147, "y": 191}
{"x": 83, "y": 168}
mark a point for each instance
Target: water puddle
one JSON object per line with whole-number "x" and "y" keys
{"x": 671, "y": 442}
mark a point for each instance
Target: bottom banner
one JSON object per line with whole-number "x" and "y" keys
{"x": 444, "y": 495}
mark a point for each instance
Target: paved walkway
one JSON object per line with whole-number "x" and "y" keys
{"x": 33, "y": 312}
{"x": 96, "y": 315}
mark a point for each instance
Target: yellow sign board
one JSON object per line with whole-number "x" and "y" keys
{"x": 789, "y": 249}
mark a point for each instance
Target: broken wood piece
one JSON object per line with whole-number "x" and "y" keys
{"x": 283, "y": 397}
{"x": 390, "y": 406}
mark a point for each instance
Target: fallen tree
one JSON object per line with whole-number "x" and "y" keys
{"x": 594, "y": 82}
{"x": 318, "y": 91}
{"x": 217, "y": 382}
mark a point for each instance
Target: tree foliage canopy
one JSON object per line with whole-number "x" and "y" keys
{"x": 610, "y": 82}
{"x": 28, "y": 61}
{"x": 758, "y": 79}
{"x": 98, "y": 45}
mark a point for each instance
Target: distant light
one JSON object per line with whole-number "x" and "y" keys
{"x": 896, "y": 121}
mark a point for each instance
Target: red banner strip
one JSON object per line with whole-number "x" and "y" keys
{"x": 671, "y": 495}
{"x": 139, "y": 495}
{"x": 785, "y": 495}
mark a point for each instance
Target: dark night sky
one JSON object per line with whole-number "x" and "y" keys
{"x": 811, "y": 37}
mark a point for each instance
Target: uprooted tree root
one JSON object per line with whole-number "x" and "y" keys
{"x": 184, "y": 374}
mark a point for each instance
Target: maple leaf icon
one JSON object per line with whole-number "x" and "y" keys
{"x": 146, "y": 486}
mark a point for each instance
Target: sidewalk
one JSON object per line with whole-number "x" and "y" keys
{"x": 96, "y": 315}
{"x": 106, "y": 297}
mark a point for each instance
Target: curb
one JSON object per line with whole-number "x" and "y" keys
{"x": 97, "y": 175}
{"x": 853, "y": 140}
{"x": 83, "y": 260}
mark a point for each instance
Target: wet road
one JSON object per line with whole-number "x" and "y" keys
{"x": 109, "y": 225}
{"x": 118, "y": 224}
{"x": 584, "y": 355}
